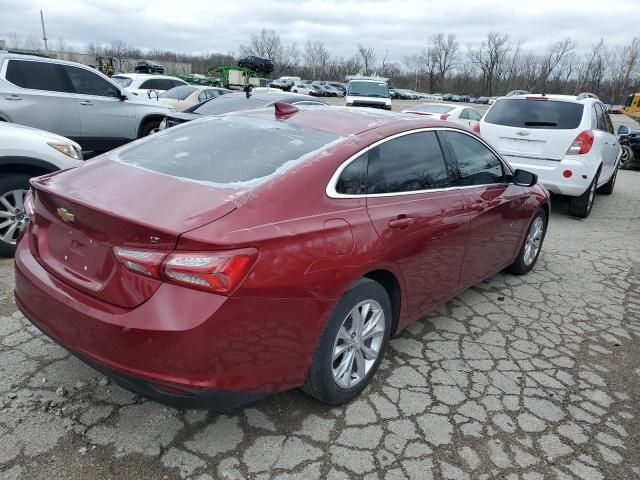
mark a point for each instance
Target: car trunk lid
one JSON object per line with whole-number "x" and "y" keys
{"x": 82, "y": 214}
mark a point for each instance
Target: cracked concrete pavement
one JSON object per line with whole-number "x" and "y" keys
{"x": 525, "y": 378}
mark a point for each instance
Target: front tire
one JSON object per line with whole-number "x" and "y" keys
{"x": 351, "y": 345}
{"x": 148, "y": 127}
{"x": 581, "y": 206}
{"x": 532, "y": 244}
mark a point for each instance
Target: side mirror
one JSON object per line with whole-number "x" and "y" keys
{"x": 123, "y": 96}
{"x": 524, "y": 178}
{"x": 623, "y": 130}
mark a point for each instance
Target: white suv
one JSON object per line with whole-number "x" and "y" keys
{"x": 568, "y": 141}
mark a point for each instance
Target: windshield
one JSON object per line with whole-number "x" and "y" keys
{"x": 178, "y": 93}
{"x": 523, "y": 113}
{"x": 432, "y": 108}
{"x": 122, "y": 81}
{"x": 226, "y": 151}
{"x": 368, "y": 89}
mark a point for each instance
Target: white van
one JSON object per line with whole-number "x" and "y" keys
{"x": 368, "y": 93}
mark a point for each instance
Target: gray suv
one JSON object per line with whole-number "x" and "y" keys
{"x": 74, "y": 101}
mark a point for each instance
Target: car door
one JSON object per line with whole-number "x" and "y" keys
{"x": 106, "y": 121}
{"x": 496, "y": 207}
{"x": 40, "y": 97}
{"x": 422, "y": 222}
{"x": 611, "y": 147}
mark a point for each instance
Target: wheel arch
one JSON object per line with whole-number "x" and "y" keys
{"x": 391, "y": 284}
{"x": 148, "y": 118}
{"x": 26, "y": 165}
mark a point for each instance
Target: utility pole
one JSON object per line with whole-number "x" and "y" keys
{"x": 44, "y": 32}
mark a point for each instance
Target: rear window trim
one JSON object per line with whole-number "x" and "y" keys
{"x": 331, "y": 191}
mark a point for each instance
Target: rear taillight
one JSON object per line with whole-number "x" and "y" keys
{"x": 29, "y": 205}
{"x": 444, "y": 116}
{"x": 219, "y": 272}
{"x": 144, "y": 262}
{"x": 582, "y": 144}
{"x": 476, "y": 128}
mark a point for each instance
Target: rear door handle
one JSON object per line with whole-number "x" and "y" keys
{"x": 479, "y": 206}
{"x": 86, "y": 102}
{"x": 401, "y": 222}
{"x": 13, "y": 98}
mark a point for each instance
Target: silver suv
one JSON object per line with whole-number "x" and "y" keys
{"x": 74, "y": 101}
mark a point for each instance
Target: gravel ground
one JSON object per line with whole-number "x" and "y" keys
{"x": 518, "y": 378}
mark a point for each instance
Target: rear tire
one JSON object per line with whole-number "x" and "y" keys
{"x": 607, "y": 188}
{"x": 527, "y": 256}
{"x": 324, "y": 380}
{"x": 581, "y": 206}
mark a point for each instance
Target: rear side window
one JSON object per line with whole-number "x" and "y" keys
{"x": 353, "y": 180}
{"x": 230, "y": 151}
{"x": 408, "y": 163}
{"x": 88, "y": 83}
{"x": 547, "y": 114}
{"x": 122, "y": 81}
{"x": 37, "y": 75}
{"x": 477, "y": 164}
{"x": 178, "y": 93}
{"x": 149, "y": 85}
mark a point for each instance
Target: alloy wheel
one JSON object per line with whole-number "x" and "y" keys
{"x": 592, "y": 193}
{"x": 534, "y": 241}
{"x": 13, "y": 218}
{"x": 358, "y": 344}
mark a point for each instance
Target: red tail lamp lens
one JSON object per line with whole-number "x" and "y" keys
{"x": 582, "y": 144}
{"x": 144, "y": 262}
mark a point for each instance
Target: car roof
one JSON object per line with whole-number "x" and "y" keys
{"x": 346, "y": 121}
{"x": 134, "y": 76}
{"x": 557, "y": 97}
{"x": 40, "y": 58}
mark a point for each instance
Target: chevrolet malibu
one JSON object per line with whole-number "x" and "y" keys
{"x": 249, "y": 253}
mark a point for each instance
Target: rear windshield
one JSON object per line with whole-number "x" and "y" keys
{"x": 368, "y": 89}
{"x": 178, "y": 93}
{"x": 122, "y": 81}
{"x": 226, "y": 151}
{"x": 432, "y": 108}
{"x": 226, "y": 104}
{"x": 547, "y": 114}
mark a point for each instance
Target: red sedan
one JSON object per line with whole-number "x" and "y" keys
{"x": 250, "y": 253}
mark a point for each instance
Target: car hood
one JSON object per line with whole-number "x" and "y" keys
{"x": 185, "y": 116}
{"x": 23, "y": 130}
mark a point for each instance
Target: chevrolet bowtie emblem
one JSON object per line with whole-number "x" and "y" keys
{"x": 523, "y": 133}
{"x": 65, "y": 215}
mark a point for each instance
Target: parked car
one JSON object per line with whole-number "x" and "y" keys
{"x": 404, "y": 94}
{"x": 568, "y": 141}
{"x": 257, "y": 64}
{"x": 146, "y": 85}
{"x": 368, "y": 93}
{"x": 185, "y": 96}
{"x": 455, "y": 98}
{"x": 335, "y": 92}
{"x": 324, "y": 90}
{"x": 307, "y": 89}
{"x": 235, "y": 102}
{"x": 467, "y": 116}
{"x": 482, "y": 100}
{"x": 299, "y": 245}
{"x": 148, "y": 66}
{"x": 630, "y": 144}
{"x": 615, "y": 109}
{"x": 447, "y": 97}
{"x": 73, "y": 100}
{"x": 339, "y": 86}
{"x": 26, "y": 153}
{"x": 465, "y": 98}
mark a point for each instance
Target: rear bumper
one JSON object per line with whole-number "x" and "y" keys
{"x": 550, "y": 173}
{"x": 181, "y": 345}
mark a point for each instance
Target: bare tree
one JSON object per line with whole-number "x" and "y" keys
{"x": 413, "y": 66}
{"x": 592, "y": 69}
{"x": 553, "y": 57}
{"x": 267, "y": 44}
{"x": 33, "y": 42}
{"x": 444, "y": 50}
{"x": 368, "y": 56}
{"x": 624, "y": 64}
{"x": 14, "y": 40}
{"x": 316, "y": 58}
{"x": 120, "y": 52}
{"x": 490, "y": 57}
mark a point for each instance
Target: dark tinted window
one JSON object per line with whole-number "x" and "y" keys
{"x": 353, "y": 180}
{"x": 151, "y": 84}
{"x": 408, "y": 163}
{"x": 37, "y": 75}
{"x": 227, "y": 103}
{"x": 522, "y": 113}
{"x": 228, "y": 151}
{"x": 167, "y": 83}
{"x": 178, "y": 93}
{"x": 604, "y": 120}
{"x": 476, "y": 163}
{"x": 88, "y": 83}
{"x": 473, "y": 115}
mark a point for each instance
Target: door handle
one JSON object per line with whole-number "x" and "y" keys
{"x": 13, "y": 98}
{"x": 86, "y": 102}
{"x": 479, "y": 206}
{"x": 401, "y": 222}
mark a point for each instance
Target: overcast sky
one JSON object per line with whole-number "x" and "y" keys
{"x": 401, "y": 27}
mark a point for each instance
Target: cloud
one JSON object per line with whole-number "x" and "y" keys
{"x": 399, "y": 27}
